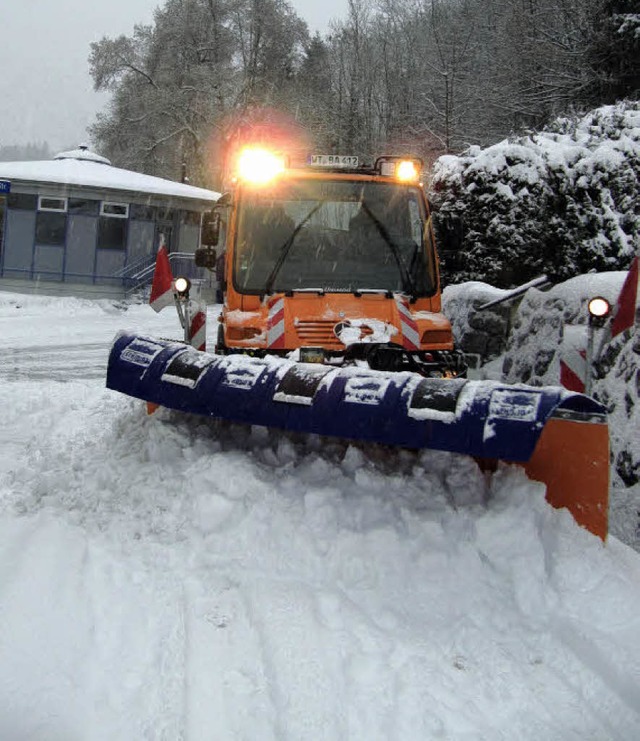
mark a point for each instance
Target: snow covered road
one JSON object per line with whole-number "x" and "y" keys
{"x": 54, "y": 362}
{"x": 172, "y": 578}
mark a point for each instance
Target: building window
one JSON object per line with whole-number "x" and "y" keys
{"x": 112, "y": 233}
{"x": 84, "y": 206}
{"x": 166, "y": 214}
{"x": 50, "y": 203}
{"x": 115, "y": 210}
{"x": 51, "y": 221}
{"x": 51, "y": 227}
{"x": 112, "y": 226}
{"x": 191, "y": 217}
{"x": 22, "y": 201}
{"x": 143, "y": 213}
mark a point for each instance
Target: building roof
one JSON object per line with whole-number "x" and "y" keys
{"x": 82, "y": 153}
{"x": 83, "y": 168}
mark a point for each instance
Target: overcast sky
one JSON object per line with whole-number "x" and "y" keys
{"x": 46, "y": 91}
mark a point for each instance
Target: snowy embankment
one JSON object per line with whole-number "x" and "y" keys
{"x": 525, "y": 341}
{"x": 174, "y": 578}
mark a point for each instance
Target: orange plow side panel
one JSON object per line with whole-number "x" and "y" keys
{"x": 572, "y": 459}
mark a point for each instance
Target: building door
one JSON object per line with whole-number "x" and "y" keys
{"x": 166, "y": 229}
{"x": 165, "y": 225}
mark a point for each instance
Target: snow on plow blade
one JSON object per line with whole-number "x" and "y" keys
{"x": 559, "y": 437}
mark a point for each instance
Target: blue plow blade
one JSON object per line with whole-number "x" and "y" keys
{"x": 484, "y": 419}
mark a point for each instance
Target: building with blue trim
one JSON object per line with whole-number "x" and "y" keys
{"x": 78, "y": 225}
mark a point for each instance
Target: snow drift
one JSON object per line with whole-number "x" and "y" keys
{"x": 165, "y": 577}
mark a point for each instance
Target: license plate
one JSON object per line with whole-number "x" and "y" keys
{"x": 333, "y": 160}
{"x": 311, "y": 355}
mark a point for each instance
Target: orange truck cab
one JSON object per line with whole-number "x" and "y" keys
{"x": 334, "y": 260}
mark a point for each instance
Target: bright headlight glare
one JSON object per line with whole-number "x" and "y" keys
{"x": 182, "y": 285}
{"x": 599, "y": 307}
{"x": 407, "y": 171}
{"x": 259, "y": 166}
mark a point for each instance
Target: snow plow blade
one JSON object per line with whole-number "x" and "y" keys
{"x": 560, "y": 438}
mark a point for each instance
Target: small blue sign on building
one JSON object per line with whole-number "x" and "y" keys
{"x": 5, "y": 186}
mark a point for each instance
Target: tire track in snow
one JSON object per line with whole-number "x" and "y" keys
{"x": 270, "y": 657}
{"x": 224, "y": 676}
{"x": 67, "y": 362}
{"x": 587, "y": 652}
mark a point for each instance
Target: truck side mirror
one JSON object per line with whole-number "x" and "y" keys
{"x": 210, "y": 231}
{"x": 205, "y": 257}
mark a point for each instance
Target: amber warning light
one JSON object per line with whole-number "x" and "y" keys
{"x": 259, "y": 166}
{"x": 407, "y": 170}
{"x": 403, "y": 169}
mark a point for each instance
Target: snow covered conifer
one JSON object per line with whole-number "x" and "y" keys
{"x": 561, "y": 202}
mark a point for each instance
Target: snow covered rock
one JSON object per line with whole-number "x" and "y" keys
{"x": 533, "y": 350}
{"x": 618, "y": 388}
{"x": 477, "y": 332}
{"x": 533, "y": 356}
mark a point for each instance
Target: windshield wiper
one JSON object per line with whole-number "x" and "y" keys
{"x": 358, "y": 292}
{"x": 286, "y": 247}
{"x": 404, "y": 272}
{"x": 319, "y": 291}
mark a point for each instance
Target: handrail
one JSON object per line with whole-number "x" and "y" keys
{"x": 539, "y": 282}
{"x": 137, "y": 280}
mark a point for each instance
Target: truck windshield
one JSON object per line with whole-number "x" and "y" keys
{"x": 334, "y": 236}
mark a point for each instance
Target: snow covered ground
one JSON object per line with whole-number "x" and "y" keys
{"x": 173, "y": 578}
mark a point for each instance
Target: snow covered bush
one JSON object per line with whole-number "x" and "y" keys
{"x": 564, "y": 201}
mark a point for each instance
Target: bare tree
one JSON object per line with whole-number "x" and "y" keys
{"x": 428, "y": 76}
{"x": 176, "y": 84}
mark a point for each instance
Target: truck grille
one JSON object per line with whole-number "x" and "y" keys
{"x": 318, "y": 334}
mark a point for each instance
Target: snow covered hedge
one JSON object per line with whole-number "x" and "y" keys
{"x": 564, "y": 201}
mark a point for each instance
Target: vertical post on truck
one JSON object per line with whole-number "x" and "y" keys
{"x": 599, "y": 309}
{"x": 182, "y": 287}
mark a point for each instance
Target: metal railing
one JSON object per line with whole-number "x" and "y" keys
{"x": 139, "y": 274}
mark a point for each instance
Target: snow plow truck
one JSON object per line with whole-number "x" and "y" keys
{"x": 332, "y": 324}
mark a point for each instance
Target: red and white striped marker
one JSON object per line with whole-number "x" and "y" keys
{"x": 408, "y": 326}
{"x": 197, "y": 325}
{"x": 275, "y": 323}
{"x": 573, "y": 370}
{"x": 573, "y": 359}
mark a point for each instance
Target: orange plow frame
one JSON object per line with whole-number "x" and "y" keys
{"x": 572, "y": 459}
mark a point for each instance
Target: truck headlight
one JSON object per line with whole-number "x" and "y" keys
{"x": 182, "y": 286}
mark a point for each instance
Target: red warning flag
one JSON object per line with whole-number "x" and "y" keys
{"x": 162, "y": 287}
{"x": 625, "y": 313}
